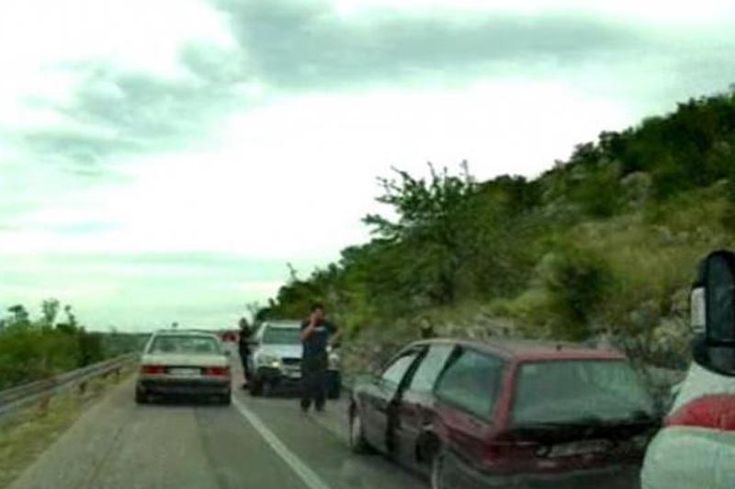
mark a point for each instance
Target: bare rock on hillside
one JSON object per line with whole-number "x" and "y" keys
{"x": 637, "y": 188}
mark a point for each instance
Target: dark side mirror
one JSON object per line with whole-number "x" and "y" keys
{"x": 713, "y": 313}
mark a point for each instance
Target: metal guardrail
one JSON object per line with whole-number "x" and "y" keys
{"x": 15, "y": 398}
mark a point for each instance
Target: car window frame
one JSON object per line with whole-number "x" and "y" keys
{"x": 427, "y": 349}
{"x": 400, "y": 386}
{"x": 458, "y": 351}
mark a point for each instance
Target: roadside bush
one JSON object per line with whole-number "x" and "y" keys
{"x": 576, "y": 281}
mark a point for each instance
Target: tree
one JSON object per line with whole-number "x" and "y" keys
{"x": 50, "y": 310}
{"x": 427, "y": 223}
{"x": 20, "y": 316}
{"x": 70, "y": 326}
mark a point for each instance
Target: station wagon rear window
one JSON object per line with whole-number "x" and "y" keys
{"x": 571, "y": 390}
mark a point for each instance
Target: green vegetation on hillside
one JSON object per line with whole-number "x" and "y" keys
{"x": 36, "y": 349}
{"x": 603, "y": 244}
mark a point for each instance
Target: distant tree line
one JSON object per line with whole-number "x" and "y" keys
{"x": 54, "y": 342}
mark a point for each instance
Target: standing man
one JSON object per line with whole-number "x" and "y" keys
{"x": 316, "y": 334}
{"x": 244, "y": 349}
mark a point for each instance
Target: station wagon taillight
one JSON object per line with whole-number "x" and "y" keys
{"x": 152, "y": 369}
{"x": 218, "y": 371}
{"x": 502, "y": 452}
{"x": 716, "y": 412}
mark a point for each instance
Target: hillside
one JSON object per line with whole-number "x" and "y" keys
{"x": 603, "y": 244}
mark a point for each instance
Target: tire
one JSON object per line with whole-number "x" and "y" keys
{"x": 357, "y": 440}
{"x": 334, "y": 385}
{"x": 439, "y": 463}
{"x": 256, "y": 387}
{"x": 140, "y": 397}
{"x": 225, "y": 399}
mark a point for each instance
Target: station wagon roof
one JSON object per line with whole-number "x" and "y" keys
{"x": 532, "y": 350}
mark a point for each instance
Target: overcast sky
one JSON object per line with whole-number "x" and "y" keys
{"x": 163, "y": 160}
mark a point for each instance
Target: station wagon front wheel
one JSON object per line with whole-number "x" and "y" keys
{"x": 358, "y": 442}
{"x": 439, "y": 479}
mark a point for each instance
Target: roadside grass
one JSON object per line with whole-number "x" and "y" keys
{"x": 30, "y": 432}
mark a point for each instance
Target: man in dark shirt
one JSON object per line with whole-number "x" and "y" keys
{"x": 244, "y": 349}
{"x": 316, "y": 335}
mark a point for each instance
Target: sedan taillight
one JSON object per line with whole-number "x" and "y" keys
{"x": 152, "y": 369}
{"x": 218, "y": 371}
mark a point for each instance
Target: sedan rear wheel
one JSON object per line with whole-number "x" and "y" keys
{"x": 140, "y": 397}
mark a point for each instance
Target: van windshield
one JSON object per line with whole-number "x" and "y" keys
{"x": 282, "y": 336}
{"x": 569, "y": 390}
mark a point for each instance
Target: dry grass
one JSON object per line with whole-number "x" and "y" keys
{"x": 25, "y": 437}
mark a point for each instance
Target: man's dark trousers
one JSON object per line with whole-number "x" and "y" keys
{"x": 313, "y": 381}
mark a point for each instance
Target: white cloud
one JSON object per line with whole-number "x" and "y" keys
{"x": 38, "y": 38}
{"x": 292, "y": 180}
{"x": 654, "y": 11}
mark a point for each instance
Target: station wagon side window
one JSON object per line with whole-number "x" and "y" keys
{"x": 471, "y": 382}
{"x": 394, "y": 373}
{"x": 431, "y": 366}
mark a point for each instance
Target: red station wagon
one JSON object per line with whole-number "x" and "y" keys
{"x": 507, "y": 414}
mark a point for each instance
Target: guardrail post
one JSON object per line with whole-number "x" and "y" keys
{"x": 43, "y": 404}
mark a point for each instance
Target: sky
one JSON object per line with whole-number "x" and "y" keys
{"x": 165, "y": 161}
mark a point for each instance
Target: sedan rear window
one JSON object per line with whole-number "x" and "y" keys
{"x": 189, "y": 345}
{"x": 569, "y": 390}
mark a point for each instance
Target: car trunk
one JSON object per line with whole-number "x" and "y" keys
{"x": 560, "y": 447}
{"x": 574, "y": 414}
{"x": 184, "y": 365}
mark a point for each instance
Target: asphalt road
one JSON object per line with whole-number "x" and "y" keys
{"x": 255, "y": 443}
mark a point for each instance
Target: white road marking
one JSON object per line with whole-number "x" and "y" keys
{"x": 304, "y": 473}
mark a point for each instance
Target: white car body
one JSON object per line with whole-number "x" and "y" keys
{"x": 280, "y": 363}
{"x": 205, "y": 373}
{"x": 696, "y": 448}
